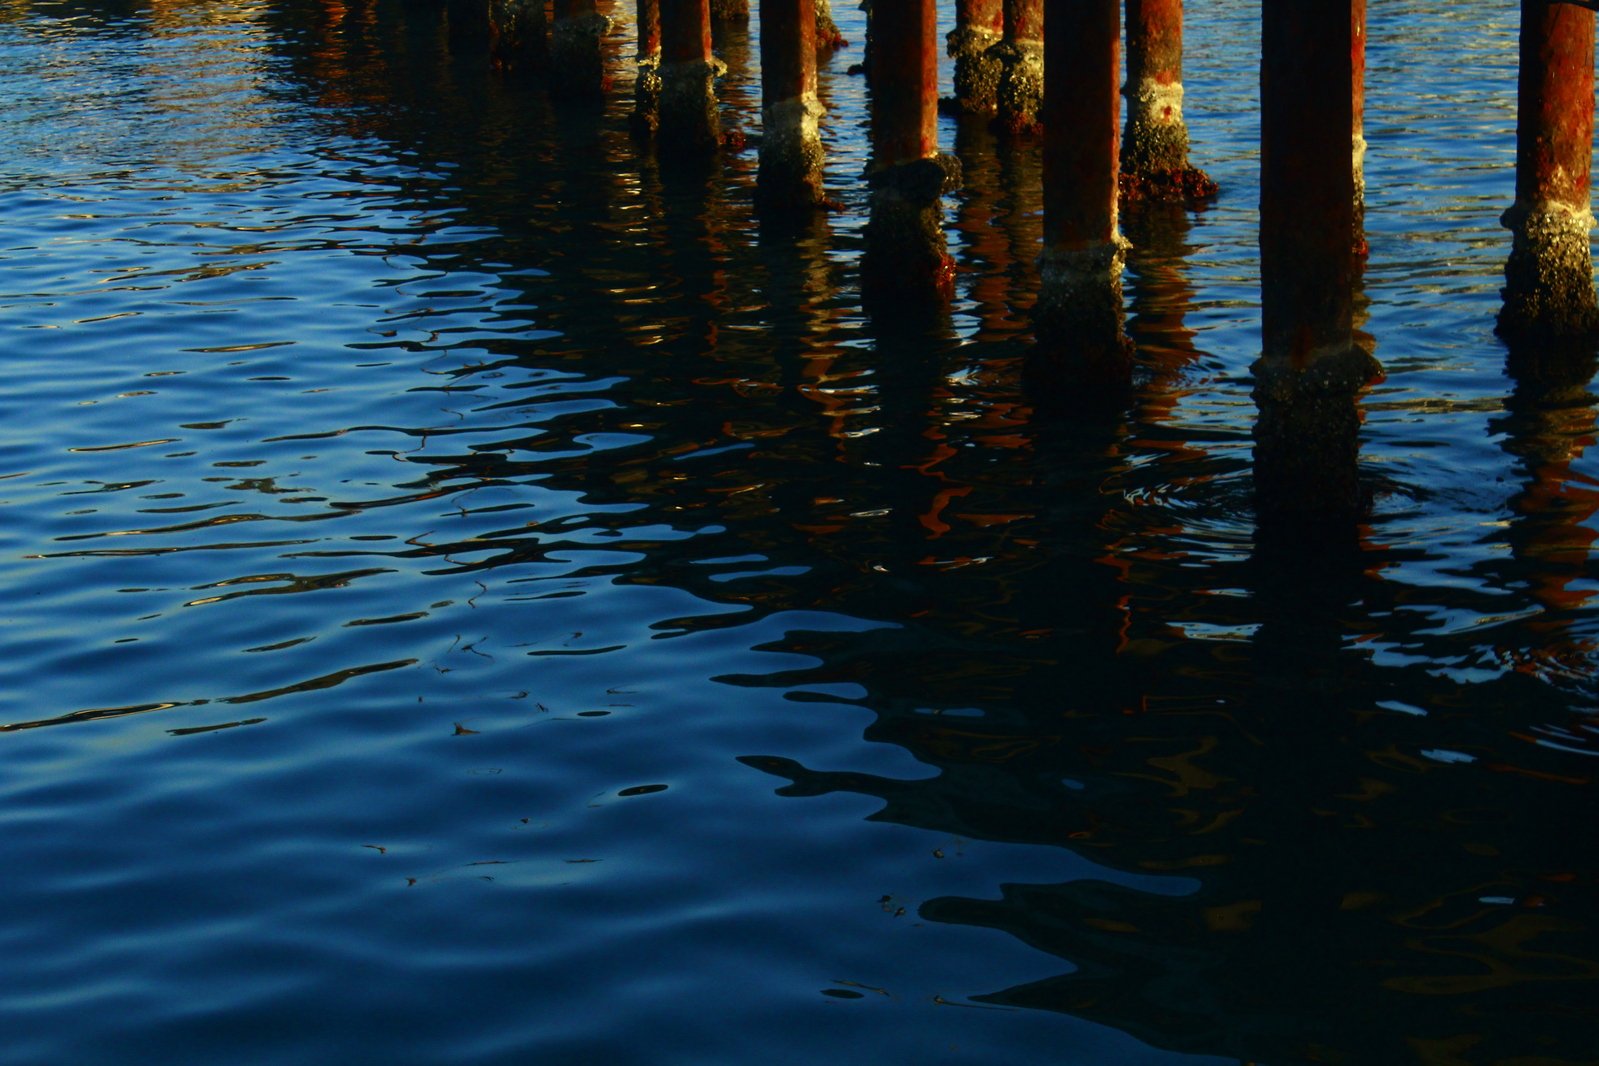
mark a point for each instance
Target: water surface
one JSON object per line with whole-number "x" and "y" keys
{"x": 475, "y": 597}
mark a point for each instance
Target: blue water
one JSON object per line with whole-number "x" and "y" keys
{"x": 472, "y": 597}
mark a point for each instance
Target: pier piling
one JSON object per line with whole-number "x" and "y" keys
{"x": 647, "y": 86}
{"x": 1020, "y": 93}
{"x": 689, "y": 123}
{"x": 828, "y": 38}
{"x": 1079, "y": 320}
{"x": 577, "y": 65}
{"x": 905, "y": 252}
{"x": 790, "y": 174}
{"x": 1549, "y": 290}
{"x": 1357, "y": 62}
{"x": 1154, "y": 155}
{"x": 518, "y": 35}
{"x": 1311, "y": 369}
{"x": 979, "y": 27}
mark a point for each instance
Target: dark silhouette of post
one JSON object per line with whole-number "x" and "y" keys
{"x": 1021, "y": 57}
{"x": 576, "y": 59}
{"x": 723, "y": 11}
{"x": 1311, "y": 368}
{"x": 647, "y": 88}
{"x": 1079, "y": 319}
{"x": 518, "y": 36}
{"x": 979, "y": 26}
{"x": 1155, "y": 150}
{"x": 905, "y": 253}
{"x": 790, "y": 175}
{"x": 510, "y": 32}
{"x": 689, "y": 122}
{"x": 467, "y": 20}
{"x": 577, "y": 65}
{"x": 1549, "y": 289}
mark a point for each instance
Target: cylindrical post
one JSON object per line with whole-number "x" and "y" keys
{"x": 577, "y": 67}
{"x": 689, "y": 121}
{"x": 905, "y": 233}
{"x": 1549, "y": 289}
{"x": 790, "y": 175}
{"x": 1078, "y": 317}
{"x": 647, "y": 87}
{"x": 724, "y": 11}
{"x": 518, "y": 35}
{"x": 1357, "y": 61}
{"x": 1155, "y": 151}
{"x": 979, "y": 26}
{"x": 1021, "y": 57}
{"x": 828, "y": 38}
{"x": 867, "y": 66}
{"x": 1310, "y": 368}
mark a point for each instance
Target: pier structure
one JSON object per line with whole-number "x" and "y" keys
{"x": 1549, "y": 290}
{"x": 1357, "y": 64}
{"x": 979, "y": 27}
{"x": 1059, "y": 75}
{"x": 905, "y": 255}
{"x": 1311, "y": 369}
{"x": 689, "y": 123}
{"x": 1154, "y": 153}
{"x": 646, "y": 116}
{"x": 518, "y": 35}
{"x": 828, "y": 37}
{"x": 790, "y": 174}
{"x": 1020, "y": 92}
{"x": 1079, "y": 318}
{"x": 577, "y": 62}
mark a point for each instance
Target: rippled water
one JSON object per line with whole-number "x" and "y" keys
{"x": 473, "y": 597}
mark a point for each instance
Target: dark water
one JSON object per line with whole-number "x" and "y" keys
{"x": 472, "y": 597}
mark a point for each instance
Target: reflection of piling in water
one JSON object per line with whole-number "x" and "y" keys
{"x": 1020, "y": 93}
{"x": 790, "y": 175}
{"x": 689, "y": 123}
{"x": 1155, "y": 151}
{"x": 1549, "y": 288}
{"x": 1162, "y": 296}
{"x": 985, "y": 249}
{"x": 979, "y": 26}
{"x": 1549, "y": 424}
{"x": 577, "y": 67}
{"x": 1079, "y": 319}
{"x": 1018, "y": 178}
{"x": 905, "y": 235}
{"x": 1310, "y": 368}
